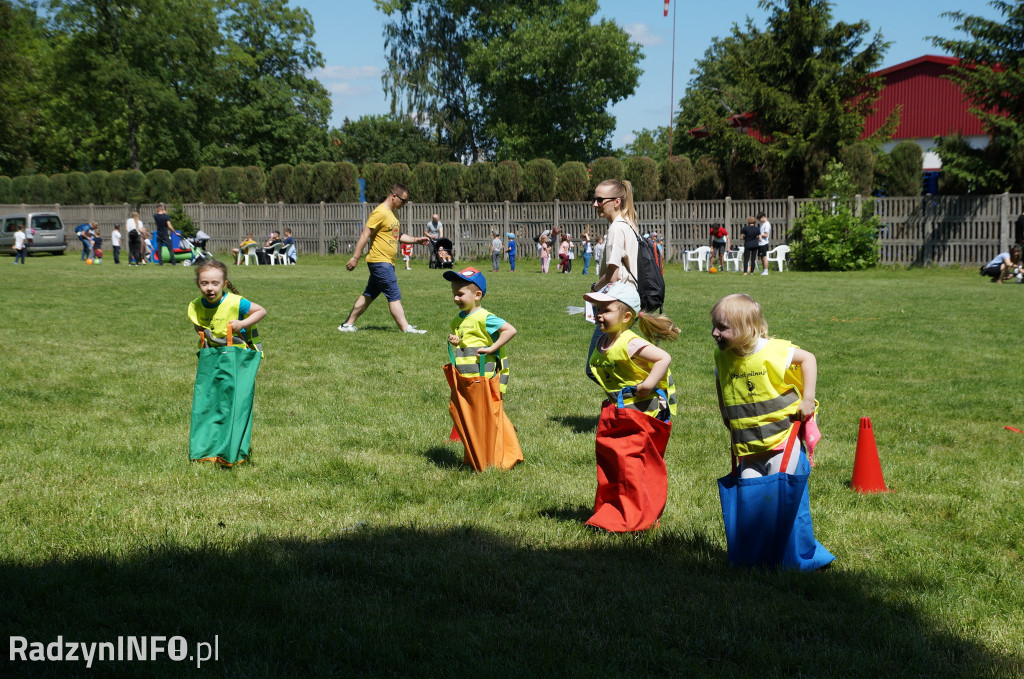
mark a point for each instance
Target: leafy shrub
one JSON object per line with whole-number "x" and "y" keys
{"x": 676, "y": 178}
{"x": 38, "y": 189}
{"x": 834, "y": 238}
{"x": 904, "y": 170}
{"x": 508, "y": 181}
{"x": 115, "y": 187}
{"x": 254, "y": 190}
{"x": 398, "y": 173}
{"x": 607, "y": 167}
{"x": 479, "y": 179}
{"x": 423, "y": 182}
{"x": 324, "y": 182}
{"x": 232, "y": 184}
{"x": 97, "y": 181}
{"x": 160, "y": 186}
{"x": 78, "y": 188}
{"x": 708, "y": 183}
{"x": 135, "y": 187}
{"x": 302, "y": 177}
{"x": 58, "y": 189}
{"x": 348, "y": 183}
{"x": 279, "y": 183}
{"x": 209, "y": 184}
{"x": 377, "y": 186}
{"x": 642, "y": 173}
{"x": 450, "y": 184}
{"x": 539, "y": 181}
{"x": 181, "y": 220}
{"x": 5, "y": 190}
{"x": 572, "y": 182}
{"x": 19, "y": 189}
{"x": 859, "y": 161}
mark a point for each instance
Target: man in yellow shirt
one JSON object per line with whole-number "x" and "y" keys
{"x": 381, "y": 231}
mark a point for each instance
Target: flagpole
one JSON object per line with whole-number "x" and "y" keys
{"x": 672, "y": 85}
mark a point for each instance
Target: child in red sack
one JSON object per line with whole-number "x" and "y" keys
{"x": 633, "y": 431}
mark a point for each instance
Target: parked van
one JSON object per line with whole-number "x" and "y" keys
{"x": 44, "y": 228}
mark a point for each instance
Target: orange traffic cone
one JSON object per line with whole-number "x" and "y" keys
{"x": 867, "y": 469}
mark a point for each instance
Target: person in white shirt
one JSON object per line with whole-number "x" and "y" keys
{"x": 762, "y": 242}
{"x": 115, "y": 243}
{"x": 19, "y": 244}
{"x": 134, "y": 228}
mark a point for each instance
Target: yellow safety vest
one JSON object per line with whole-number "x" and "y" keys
{"x": 215, "y": 321}
{"x": 614, "y": 370}
{"x": 472, "y": 334}
{"x": 761, "y": 393}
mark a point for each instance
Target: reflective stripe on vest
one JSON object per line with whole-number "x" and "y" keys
{"x": 472, "y": 334}
{"x": 761, "y": 394}
{"x": 614, "y": 370}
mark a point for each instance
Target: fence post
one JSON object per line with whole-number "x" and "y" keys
{"x": 554, "y": 221}
{"x": 321, "y": 236}
{"x": 201, "y": 215}
{"x": 458, "y": 233}
{"x": 92, "y": 212}
{"x": 727, "y": 216}
{"x": 1004, "y": 222}
{"x": 790, "y": 214}
{"x": 667, "y": 230}
{"x": 504, "y": 217}
{"x": 280, "y": 218}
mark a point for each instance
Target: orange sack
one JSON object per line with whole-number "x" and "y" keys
{"x": 480, "y": 420}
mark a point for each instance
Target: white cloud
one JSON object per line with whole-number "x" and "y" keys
{"x": 332, "y": 73}
{"x": 643, "y": 34}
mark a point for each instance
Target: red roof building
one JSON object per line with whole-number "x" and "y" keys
{"x": 933, "y": 106}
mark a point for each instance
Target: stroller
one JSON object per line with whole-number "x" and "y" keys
{"x": 442, "y": 254}
{"x": 197, "y": 245}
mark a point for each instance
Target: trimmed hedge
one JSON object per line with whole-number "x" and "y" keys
{"x": 97, "y": 182}
{"x": 642, "y": 173}
{"x": 423, "y": 182}
{"x": 539, "y": 177}
{"x": 572, "y": 182}
{"x": 186, "y": 185}
{"x": 859, "y": 162}
{"x": 19, "y": 189}
{"x": 450, "y": 183}
{"x": 398, "y": 173}
{"x": 508, "y": 181}
{"x": 255, "y": 187}
{"x": 377, "y": 185}
{"x": 160, "y": 186}
{"x": 904, "y": 170}
{"x": 708, "y": 181}
{"x": 209, "y": 184}
{"x": 348, "y": 183}
{"x": 78, "y": 189}
{"x": 324, "y": 182}
{"x": 604, "y": 168}
{"x": 39, "y": 189}
{"x": 232, "y": 184}
{"x": 479, "y": 180}
{"x": 5, "y": 190}
{"x": 135, "y": 187}
{"x": 279, "y": 183}
{"x": 302, "y": 176}
{"x": 58, "y": 189}
{"x": 676, "y": 178}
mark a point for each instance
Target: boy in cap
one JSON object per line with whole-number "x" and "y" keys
{"x": 474, "y": 329}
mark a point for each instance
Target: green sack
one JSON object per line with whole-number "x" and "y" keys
{"x": 222, "y": 404}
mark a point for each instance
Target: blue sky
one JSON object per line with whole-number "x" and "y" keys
{"x": 349, "y": 34}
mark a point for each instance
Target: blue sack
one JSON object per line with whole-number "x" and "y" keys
{"x": 768, "y": 520}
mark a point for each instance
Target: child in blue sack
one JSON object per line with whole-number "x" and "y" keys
{"x": 766, "y": 389}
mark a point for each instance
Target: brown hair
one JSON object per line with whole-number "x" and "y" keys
{"x": 214, "y": 264}
{"x": 624, "y": 190}
{"x": 655, "y": 327}
{"x": 745, "y": 317}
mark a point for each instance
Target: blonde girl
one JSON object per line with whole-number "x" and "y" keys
{"x": 545, "y": 254}
{"x": 764, "y": 385}
{"x": 214, "y": 309}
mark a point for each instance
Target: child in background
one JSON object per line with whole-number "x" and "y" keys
{"x": 511, "y": 252}
{"x": 97, "y": 245}
{"x": 545, "y": 254}
{"x": 115, "y": 243}
{"x": 588, "y": 251}
{"x": 633, "y": 431}
{"x": 496, "y": 251}
{"x": 19, "y": 244}
{"x": 764, "y": 386}
{"x": 598, "y": 253}
{"x": 289, "y": 247}
{"x": 475, "y": 332}
{"x": 406, "y": 254}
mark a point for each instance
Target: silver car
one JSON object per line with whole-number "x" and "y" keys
{"x": 45, "y": 230}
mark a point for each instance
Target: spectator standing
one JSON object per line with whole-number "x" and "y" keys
{"x": 496, "y": 249}
{"x": 751, "y": 234}
{"x": 598, "y": 251}
{"x": 115, "y": 243}
{"x": 382, "y": 234}
{"x": 164, "y": 229}
{"x": 588, "y": 252}
{"x": 19, "y": 244}
{"x": 762, "y": 243}
{"x": 719, "y": 242}
{"x": 133, "y": 227}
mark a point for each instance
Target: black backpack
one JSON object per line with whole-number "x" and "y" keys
{"x": 650, "y": 281}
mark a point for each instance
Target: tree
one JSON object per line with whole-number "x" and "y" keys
{"x": 508, "y": 181}
{"x": 572, "y": 182}
{"x": 648, "y": 143}
{"x": 607, "y": 167}
{"x": 387, "y": 139}
{"x": 859, "y": 162}
{"x": 642, "y": 173}
{"x": 539, "y": 181}
{"x": 804, "y": 84}
{"x": 467, "y": 66}
{"x": 479, "y": 180}
{"x": 676, "y": 176}
{"x": 904, "y": 170}
{"x": 991, "y": 75}
{"x": 423, "y": 183}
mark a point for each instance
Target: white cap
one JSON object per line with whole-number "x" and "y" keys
{"x": 617, "y": 292}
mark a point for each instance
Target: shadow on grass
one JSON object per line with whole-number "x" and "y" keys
{"x": 578, "y": 423}
{"x": 461, "y": 601}
{"x": 577, "y": 514}
{"x": 446, "y": 458}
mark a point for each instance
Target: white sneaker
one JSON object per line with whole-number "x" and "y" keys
{"x": 345, "y": 327}
{"x": 414, "y": 330}
{"x": 765, "y": 272}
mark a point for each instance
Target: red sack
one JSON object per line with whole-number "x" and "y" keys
{"x": 632, "y": 481}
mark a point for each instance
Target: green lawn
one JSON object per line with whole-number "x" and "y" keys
{"x": 356, "y": 543}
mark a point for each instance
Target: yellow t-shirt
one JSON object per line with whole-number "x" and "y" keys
{"x": 384, "y": 241}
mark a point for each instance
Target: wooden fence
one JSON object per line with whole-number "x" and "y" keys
{"x": 942, "y": 230}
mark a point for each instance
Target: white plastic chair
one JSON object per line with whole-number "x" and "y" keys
{"x": 734, "y": 259}
{"x": 777, "y": 255}
{"x": 291, "y": 255}
{"x": 700, "y": 255}
{"x": 276, "y": 254}
{"x": 250, "y": 251}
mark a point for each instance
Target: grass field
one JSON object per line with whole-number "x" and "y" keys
{"x": 356, "y": 543}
